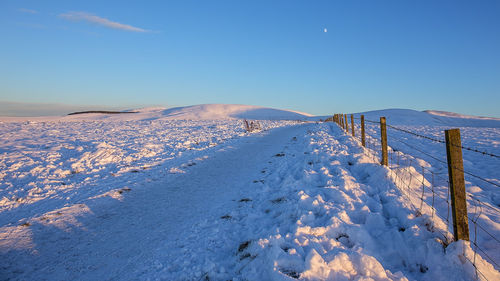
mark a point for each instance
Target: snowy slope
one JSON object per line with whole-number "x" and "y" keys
{"x": 195, "y": 112}
{"x": 164, "y": 195}
{"x": 432, "y": 118}
{"x": 458, "y": 115}
{"x": 224, "y": 111}
{"x": 413, "y": 158}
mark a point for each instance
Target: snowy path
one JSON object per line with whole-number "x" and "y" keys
{"x": 298, "y": 202}
{"x": 112, "y": 239}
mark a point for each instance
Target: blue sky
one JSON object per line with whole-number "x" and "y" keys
{"x": 425, "y": 54}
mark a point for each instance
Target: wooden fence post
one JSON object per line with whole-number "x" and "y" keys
{"x": 352, "y": 125}
{"x": 346, "y": 124}
{"x": 363, "y": 141}
{"x": 457, "y": 184}
{"x": 383, "y": 139}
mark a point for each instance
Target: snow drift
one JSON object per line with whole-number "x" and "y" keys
{"x": 195, "y": 112}
{"x": 431, "y": 118}
{"x": 225, "y": 111}
{"x": 178, "y": 194}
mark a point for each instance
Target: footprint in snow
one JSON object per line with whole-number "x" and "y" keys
{"x": 278, "y": 200}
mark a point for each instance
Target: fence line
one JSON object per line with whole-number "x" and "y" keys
{"x": 435, "y": 140}
{"x": 400, "y": 167}
{"x": 440, "y": 141}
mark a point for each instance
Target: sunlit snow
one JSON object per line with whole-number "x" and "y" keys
{"x": 188, "y": 194}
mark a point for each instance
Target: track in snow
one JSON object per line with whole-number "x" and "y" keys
{"x": 301, "y": 201}
{"x": 112, "y": 240}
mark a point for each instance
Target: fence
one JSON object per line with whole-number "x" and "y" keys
{"x": 437, "y": 190}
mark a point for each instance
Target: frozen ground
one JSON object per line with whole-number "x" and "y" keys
{"x": 149, "y": 197}
{"x": 67, "y": 162}
{"x": 428, "y": 160}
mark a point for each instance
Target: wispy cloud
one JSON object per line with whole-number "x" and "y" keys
{"x": 83, "y": 16}
{"x": 28, "y": 11}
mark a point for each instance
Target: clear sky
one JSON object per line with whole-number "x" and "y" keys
{"x": 318, "y": 57}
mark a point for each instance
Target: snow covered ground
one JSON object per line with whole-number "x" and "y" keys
{"x": 187, "y": 194}
{"x": 428, "y": 160}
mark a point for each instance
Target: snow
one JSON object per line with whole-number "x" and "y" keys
{"x": 187, "y": 194}
{"x": 457, "y": 115}
{"x": 77, "y": 160}
{"x": 195, "y": 112}
{"x": 223, "y": 111}
{"x": 433, "y": 118}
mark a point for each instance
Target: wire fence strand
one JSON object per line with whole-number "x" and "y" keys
{"x": 431, "y": 187}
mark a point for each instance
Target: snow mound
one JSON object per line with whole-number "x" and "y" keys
{"x": 194, "y": 112}
{"x": 458, "y": 115}
{"x": 231, "y": 111}
{"x": 461, "y": 120}
{"x": 431, "y": 118}
{"x": 401, "y": 116}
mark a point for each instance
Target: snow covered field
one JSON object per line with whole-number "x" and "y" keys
{"x": 148, "y": 196}
{"x": 428, "y": 160}
{"x": 67, "y": 162}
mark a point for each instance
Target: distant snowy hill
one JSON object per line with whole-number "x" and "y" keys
{"x": 455, "y": 119}
{"x": 230, "y": 111}
{"x": 429, "y": 117}
{"x": 179, "y": 194}
{"x": 195, "y": 112}
{"x": 236, "y": 111}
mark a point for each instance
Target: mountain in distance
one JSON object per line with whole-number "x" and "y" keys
{"x": 236, "y": 111}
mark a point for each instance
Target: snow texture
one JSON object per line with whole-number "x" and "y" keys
{"x": 187, "y": 194}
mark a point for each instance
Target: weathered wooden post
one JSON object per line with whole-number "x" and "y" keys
{"x": 457, "y": 184}
{"x": 383, "y": 139}
{"x": 363, "y": 140}
{"x": 352, "y": 125}
{"x": 346, "y": 124}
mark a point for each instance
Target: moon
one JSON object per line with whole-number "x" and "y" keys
{"x": 325, "y": 30}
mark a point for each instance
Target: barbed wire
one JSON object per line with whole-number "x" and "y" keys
{"x": 473, "y": 220}
{"x": 425, "y": 186}
{"x": 443, "y": 162}
{"x": 397, "y": 168}
{"x": 475, "y": 267}
{"x": 472, "y": 197}
{"x": 421, "y": 151}
{"x": 418, "y": 210}
{"x": 434, "y": 139}
{"x": 441, "y": 141}
{"x": 416, "y": 134}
